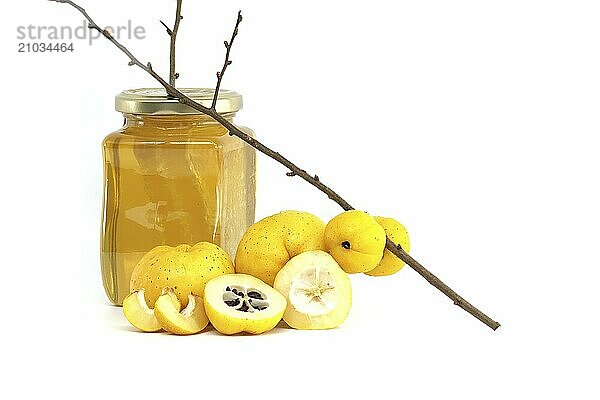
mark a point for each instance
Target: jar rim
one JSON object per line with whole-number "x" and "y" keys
{"x": 154, "y": 101}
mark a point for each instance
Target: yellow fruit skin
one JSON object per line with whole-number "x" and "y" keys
{"x": 365, "y": 237}
{"x": 390, "y": 264}
{"x": 167, "y": 312}
{"x": 228, "y": 326}
{"x": 228, "y": 322}
{"x": 185, "y": 268}
{"x": 270, "y": 243}
{"x": 140, "y": 315}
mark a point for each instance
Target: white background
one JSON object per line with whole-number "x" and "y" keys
{"x": 475, "y": 123}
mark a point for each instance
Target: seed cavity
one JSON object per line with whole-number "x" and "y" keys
{"x": 313, "y": 292}
{"x": 245, "y": 299}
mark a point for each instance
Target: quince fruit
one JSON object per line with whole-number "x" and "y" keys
{"x": 355, "y": 240}
{"x": 192, "y": 319}
{"x": 318, "y": 291}
{"x": 270, "y": 243}
{"x": 185, "y": 268}
{"x": 242, "y": 303}
{"x": 390, "y": 264}
{"x": 138, "y": 313}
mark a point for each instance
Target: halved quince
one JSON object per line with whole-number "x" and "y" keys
{"x": 192, "y": 319}
{"x": 138, "y": 313}
{"x": 242, "y": 303}
{"x": 355, "y": 240}
{"x": 318, "y": 291}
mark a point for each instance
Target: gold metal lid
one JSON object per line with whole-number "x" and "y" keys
{"x": 155, "y": 101}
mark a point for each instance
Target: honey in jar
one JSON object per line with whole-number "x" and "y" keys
{"x": 172, "y": 176}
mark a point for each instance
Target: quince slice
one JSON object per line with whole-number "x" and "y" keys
{"x": 138, "y": 313}
{"x": 192, "y": 319}
{"x": 318, "y": 291}
{"x": 238, "y": 303}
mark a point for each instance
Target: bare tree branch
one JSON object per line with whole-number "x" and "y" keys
{"x": 294, "y": 170}
{"x": 173, "y": 75}
{"x": 227, "y": 62}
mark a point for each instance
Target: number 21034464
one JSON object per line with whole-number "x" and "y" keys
{"x": 45, "y": 47}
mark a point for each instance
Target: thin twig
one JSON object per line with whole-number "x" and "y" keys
{"x": 169, "y": 31}
{"x": 173, "y": 34}
{"x": 294, "y": 170}
{"x": 441, "y": 286}
{"x": 227, "y": 62}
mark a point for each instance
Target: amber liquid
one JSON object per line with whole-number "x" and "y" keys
{"x": 171, "y": 180}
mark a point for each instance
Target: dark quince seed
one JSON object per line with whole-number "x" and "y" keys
{"x": 244, "y": 307}
{"x": 232, "y": 303}
{"x": 255, "y": 295}
{"x": 346, "y": 245}
{"x": 228, "y": 289}
{"x": 256, "y": 306}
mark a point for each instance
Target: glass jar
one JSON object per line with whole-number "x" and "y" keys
{"x": 172, "y": 176}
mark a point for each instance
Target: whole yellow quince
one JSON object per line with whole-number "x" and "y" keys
{"x": 270, "y": 243}
{"x": 184, "y": 268}
{"x": 355, "y": 240}
{"x": 390, "y": 264}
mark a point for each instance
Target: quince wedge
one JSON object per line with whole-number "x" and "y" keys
{"x": 184, "y": 268}
{"x": 192, "y": 319}
{"x": 138, "y": 313}
{"x": 355, "y": 240}
{"x": 242, "y": 303}
{"x": 271, "y": 242}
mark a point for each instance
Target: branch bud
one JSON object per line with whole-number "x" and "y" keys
{"x": 226, "y": 43}
{"x": 130, "y": 63}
